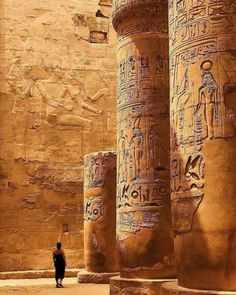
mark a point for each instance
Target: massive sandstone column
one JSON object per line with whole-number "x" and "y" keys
{"x": 143, "y": 194}
{"x": 100, "y": 251}
{"x": 203, "y": 124}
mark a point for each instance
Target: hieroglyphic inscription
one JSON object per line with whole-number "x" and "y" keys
{"x": 138, "y": 193}
{"x": 142, "y": 98}
{"x": 142, "y": 151}
{"x": 132, "y": 221}
{"x": 202, "y": 44}
{"x": 93, "y": 208}
{"x": 143, "y": 203}
{"x": 100, "y": 212}
{"x": 95, "y": 170}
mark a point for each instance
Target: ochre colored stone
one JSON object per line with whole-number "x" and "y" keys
{"x": 100, "y": 251}
{"x": 143, "y": 195}
{"x": 174, "y": 289}
{"x": 35, "y": 274}
{"x": 203, "y": 141}
{"x": 57, "y": 93}
{"x": 122, "y": 286}
{"x": 94, "y": 278}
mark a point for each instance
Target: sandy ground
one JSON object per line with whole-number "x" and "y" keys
{"x": 47, "y": 287}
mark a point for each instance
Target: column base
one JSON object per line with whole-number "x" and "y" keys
{"x": 174, "y": 289}
{"x": 123, "y": 286}
{"x": 87, "y": 277}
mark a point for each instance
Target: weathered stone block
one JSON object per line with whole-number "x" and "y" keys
{"x": 123, "y": 286}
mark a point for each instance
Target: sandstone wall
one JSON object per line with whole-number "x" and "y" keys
{"x": 57, "y": 84}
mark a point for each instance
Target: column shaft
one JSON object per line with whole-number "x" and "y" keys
{"x": 101, "y": 255}
{"x": 203, "y": 141}
{"x": 143, "y": 194}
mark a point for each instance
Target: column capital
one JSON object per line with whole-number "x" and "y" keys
{"x": 126, "y": 9}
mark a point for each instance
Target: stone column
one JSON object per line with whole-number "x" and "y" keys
{"x": 203, "y": 144}
{"x": 143, "y": 194}
{"x": 100, "y": 251}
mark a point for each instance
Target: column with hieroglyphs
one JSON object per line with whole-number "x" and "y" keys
{"x": 203, "y": 144}
{"x": 100, "y": 250}
{"x": 143, "y": 193}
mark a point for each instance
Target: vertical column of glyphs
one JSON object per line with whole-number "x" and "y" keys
{"x": 100, "y": 213}
{"x": 203, "y": 141}
{"x": 143, "y": 195}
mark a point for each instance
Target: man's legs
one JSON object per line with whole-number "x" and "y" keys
{"x": 57, "y": 283}
{"x": 60, "y": 283}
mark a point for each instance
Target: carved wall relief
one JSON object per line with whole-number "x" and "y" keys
{"x": 57, "y": 104}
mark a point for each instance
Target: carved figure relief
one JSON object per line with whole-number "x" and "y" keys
{"x": 58, "y": 102}
{"x": 208, "y": 97}
{"x": 64, "y": 99}
{"x": 124, "y": 157}
{"x": 136, "y": 143}
{"x": 95, "y": 171}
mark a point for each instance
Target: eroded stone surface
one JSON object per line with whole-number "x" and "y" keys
{"x": 143, "y": 195}
{"x": 57, "y": 104}
{"x": 203, "y": 141}
{"x": 121, "y": 286}
{"x": 95, "y": 278}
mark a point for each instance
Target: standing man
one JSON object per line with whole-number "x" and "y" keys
{"x": 59, "y": 260}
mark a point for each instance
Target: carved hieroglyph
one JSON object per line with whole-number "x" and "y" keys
{"x": 100, "y": 249}
{"x": 203, "y": 142}
{"x": 143, "y": 203}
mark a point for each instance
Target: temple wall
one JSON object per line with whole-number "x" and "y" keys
{"x": 57, "y": 84}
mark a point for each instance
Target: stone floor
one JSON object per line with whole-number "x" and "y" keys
{"x": 47, "y": 287}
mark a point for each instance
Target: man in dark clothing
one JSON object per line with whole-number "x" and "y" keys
{"x": 59, "y": 260}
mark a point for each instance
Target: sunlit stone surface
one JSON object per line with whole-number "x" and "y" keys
{"x": 57, "y": 93}
{"x": 100, "y": 249}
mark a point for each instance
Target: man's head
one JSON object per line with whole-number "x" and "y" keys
{"x": 59, "y": 245}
